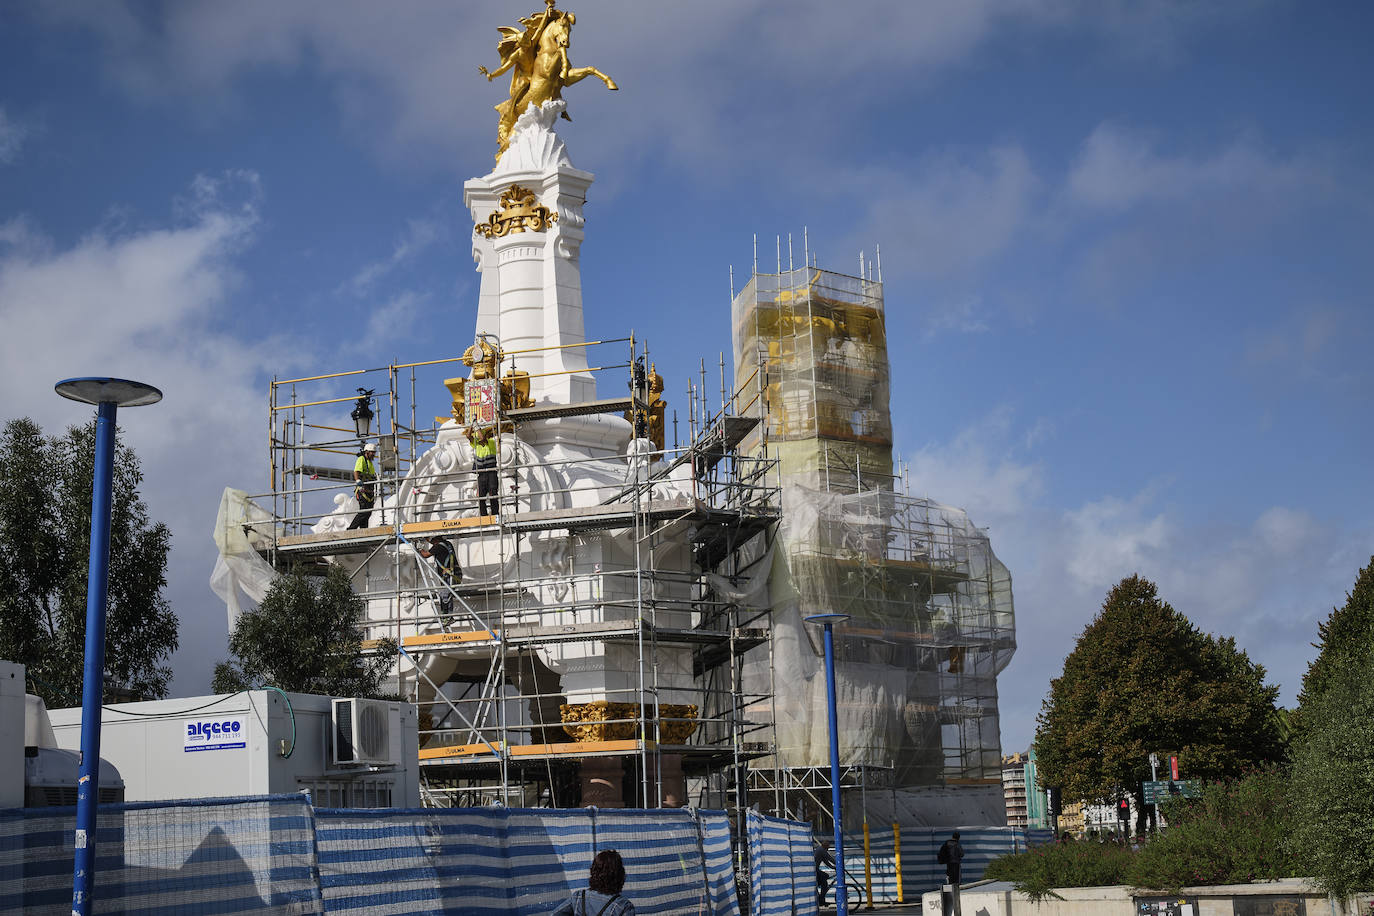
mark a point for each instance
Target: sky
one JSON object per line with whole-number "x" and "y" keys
{"x": 1126, "y": 253}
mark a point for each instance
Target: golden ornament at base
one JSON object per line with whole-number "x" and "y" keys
{"x": 602, "y": 720}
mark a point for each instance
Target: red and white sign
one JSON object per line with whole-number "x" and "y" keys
{"x": 480, "y": 401}
{"x": 1173, "y": 768}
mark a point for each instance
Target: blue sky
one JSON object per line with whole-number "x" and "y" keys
{"x": 1125, "y": 246}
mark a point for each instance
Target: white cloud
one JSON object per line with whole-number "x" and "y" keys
{"x": 977, "y": 471}
{"x": 1119, "y": 168}
{"x": 1143, "y": 216}
{"x": 404, "y": 77}
{"x": 12, "y": 137}
{"x": 964, "y": 316}
{"x": 1300, "y": 344}
{"x": 419, "y": 236}
{"x": 143, "y": 304}
{"x": 948, "y": 213}
{"x": 1111, "y": 538}
{"x": 395, "y": 320}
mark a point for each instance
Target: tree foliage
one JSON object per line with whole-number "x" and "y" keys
{"x": 1333, "y": 760}
{"x": 45, "y": 527}
{"x": 1143, "y": 679}
{"x": 1236, "y": 833}
{"x": 305, "y": 636}
{"x": 1038, "y": 871}
{"x": 1346, "y": 637}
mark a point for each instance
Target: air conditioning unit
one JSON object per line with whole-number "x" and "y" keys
{"x": 363, "y": 731}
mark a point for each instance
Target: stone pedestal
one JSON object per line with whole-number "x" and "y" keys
{"x": 603, "y": 782}
{"x": 673, "y": 790}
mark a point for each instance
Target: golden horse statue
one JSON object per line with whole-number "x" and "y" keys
{"x": 537, "y": 57}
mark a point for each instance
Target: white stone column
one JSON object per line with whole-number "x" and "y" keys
{"x": 525, "y": 272}
{"x": 520, "y": 322}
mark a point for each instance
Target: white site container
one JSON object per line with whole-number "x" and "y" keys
{"x": 11, "y": 735}
{"x": 241, "y": 744}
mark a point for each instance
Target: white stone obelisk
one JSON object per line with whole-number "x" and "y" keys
{"x": 531, "y": 288}
{"x": 531, "y": 292}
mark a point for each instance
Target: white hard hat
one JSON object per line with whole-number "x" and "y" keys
{"x": 370, "y": 447}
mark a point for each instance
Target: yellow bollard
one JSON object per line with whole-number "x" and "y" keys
{"x": 897, "y": 849}
{"x": 868, "y": 871}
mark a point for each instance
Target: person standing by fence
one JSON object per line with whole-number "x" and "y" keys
{"x": 602, "y": 896}
{"x": 822, "y": 857}
{"x": 950, "y": 855}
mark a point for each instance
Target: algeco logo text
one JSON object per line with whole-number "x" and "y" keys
{"x": 218, "y": 734}
{"x": 207, "y": 729}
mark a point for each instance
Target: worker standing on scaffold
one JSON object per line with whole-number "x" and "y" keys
{"x": 364, "y": 473}
{"x": 484, "y": 445}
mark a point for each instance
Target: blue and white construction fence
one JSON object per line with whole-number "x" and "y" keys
{"x": 279, "y": 854}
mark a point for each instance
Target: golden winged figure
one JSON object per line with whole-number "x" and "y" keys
{"x": 537, "y": 57}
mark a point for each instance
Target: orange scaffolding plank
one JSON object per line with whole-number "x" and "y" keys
{"x": 460, "y": 750}
{"x": 448, "y": 524}
{"x": 577, "y": 748}
{"x": 429, "y": 640}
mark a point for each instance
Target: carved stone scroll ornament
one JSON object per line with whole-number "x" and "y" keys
{"x": 520, "y": 211}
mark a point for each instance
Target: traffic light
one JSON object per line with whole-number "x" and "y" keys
{"x": 1123, "y": 811}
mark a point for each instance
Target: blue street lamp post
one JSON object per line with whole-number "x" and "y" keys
{"x": 108, "y": 394}
{"x": 829, "y": 621}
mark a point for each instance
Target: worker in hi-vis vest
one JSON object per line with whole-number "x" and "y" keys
{"x": 447, "y": 566}
{"x": 484, "y": 445}
{"x": 364, "y": 489}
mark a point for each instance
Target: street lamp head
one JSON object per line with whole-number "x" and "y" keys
{"x": 822, "y": 619}
{"x": 362, "y": 413}
{"x": 118, "y": 391}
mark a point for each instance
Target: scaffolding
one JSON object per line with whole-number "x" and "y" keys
{"x": 931, "y": 620}
{"x": 598, "y": 631}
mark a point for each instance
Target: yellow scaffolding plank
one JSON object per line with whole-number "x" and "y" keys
{"x": 432, "y": 640}
{"x": 447, "y": 524}
{"x": 578, "y": 748}
{"x": 460, "y": 750}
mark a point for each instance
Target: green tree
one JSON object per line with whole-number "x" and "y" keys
{"x": 1346, "y": 637}
{"x": 305, "y": 636}
{"x": 1333, "y": 761}
{"x": 45, "y": 527}
{"x": 1143, "y": 679}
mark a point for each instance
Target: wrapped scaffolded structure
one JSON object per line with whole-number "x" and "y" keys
{"x": 931, "y": 613}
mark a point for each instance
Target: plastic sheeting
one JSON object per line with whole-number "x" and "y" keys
{"x": 241, "y": 528}
{"x": 930, "y": 628}
{"x": 931, "y": 619}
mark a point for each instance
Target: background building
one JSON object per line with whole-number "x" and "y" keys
{"x": 1027, "y": 803}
